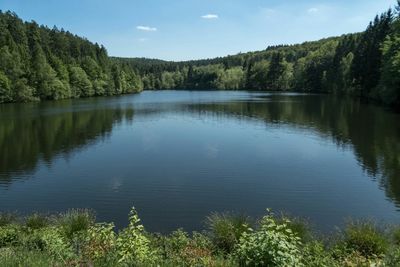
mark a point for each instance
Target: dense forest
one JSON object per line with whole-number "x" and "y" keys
{"x": 38, "y": 63}
{"x": 41, "y": 63}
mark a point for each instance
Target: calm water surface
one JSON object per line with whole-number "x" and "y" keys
{"x": 179, "y": 155}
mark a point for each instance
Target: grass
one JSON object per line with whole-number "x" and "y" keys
{"x": 366, "y": 239}
{"x": 225, "y": 229}
{"x": 75, "y": 239}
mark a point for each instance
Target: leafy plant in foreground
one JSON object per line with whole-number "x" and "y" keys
{"x": 132, "y": 244}
{"x": 274, "y": 244}
{"x": 100, "y": 241}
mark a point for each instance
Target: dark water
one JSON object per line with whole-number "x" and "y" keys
{"x": 177, "y": 156}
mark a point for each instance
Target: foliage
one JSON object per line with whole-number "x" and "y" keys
{"x": 132, "y": 244}
{"x": 10, "y": 235}
{"x": 299, "y": 226}
{"x": 366, "y": 239}
{"x": 396, "y": 235}
{"x": 393, "y": 257}
{"x": 75, "y": 221}
{"x": 36, "y": 221}
{"x": 54, "y": 243}
{"x": 101, "y": 240}
{"x": 7, "y": 218}
{"x": 32, "y": 258}
{"x": 274, "y": 244}
{"x": 38, "y": 63}
{"x": 316, "y": 255}
{"x": 226, "y": 229}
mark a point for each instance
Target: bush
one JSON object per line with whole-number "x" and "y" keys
{"x": 100, "y": 241}
{"x": 366, "y": 239}
{"x": 180, "y": 249}
{"x": 76, "y": 221}
{"x": 36, "y": 221}
{"x": 52, "y": 241}
{"x": 10, "y": 235}
{"x": 396, "y": 236}
{"x": 316, "y": 255}
{"x": 7, "y": 218}
{"x": 175, "y": 243}
{"x": 274, "y": 244}
{"x": 393, "y": 258}
{"x": 226, "y": 230}
{"x": 299, "y": 226}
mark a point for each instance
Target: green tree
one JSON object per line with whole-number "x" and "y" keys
{"x": 5, "y": 89}
{"x": 80, "y": 83}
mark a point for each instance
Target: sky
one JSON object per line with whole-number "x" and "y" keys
{"x": 194, "y": 29}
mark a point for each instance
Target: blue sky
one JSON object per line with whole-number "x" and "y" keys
{"x": 192, "y": 29}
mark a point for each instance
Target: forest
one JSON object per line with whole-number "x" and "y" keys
{"x": 38, "y": 63}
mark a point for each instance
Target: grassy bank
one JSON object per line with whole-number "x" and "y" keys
{"x": 74, "y": 239}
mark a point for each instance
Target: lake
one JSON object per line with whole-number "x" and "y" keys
{"x": 177, "y": 156}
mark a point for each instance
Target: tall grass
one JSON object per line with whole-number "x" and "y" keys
{"x": 226, "y": 229}
{"x": 75, "y": 221}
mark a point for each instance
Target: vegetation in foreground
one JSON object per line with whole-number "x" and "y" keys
{"x": 74, "y": 239}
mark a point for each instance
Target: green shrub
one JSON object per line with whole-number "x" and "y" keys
{"x": 393, "y": 257}
{"x": 299, "y": 226}
{"x": 76, "y": 221}
{"x": 180, "y": 249}
{"x": 316, "y": 255}
{"x": 202, "y": 241}
{"x": 36, "y": 221}
{"x": 366, "y": 239}
{"x": 274, "y": 244}
{"x": 7, "y": 218}
{"x": 53, "y": 242}
{"x": 396, "y": 236}
{"x": 133, "y": 247}
{"x": 176, "y": 242}
{"x": 226, "y": 229}
{"x": 10, "y": 235}
{"x": 100, "y": 241}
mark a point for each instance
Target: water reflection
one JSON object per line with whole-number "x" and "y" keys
{"x": 372, "y": 132}
{"x": 31, "y": 134}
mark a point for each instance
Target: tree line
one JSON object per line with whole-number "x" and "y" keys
{"x": 41, "y": 63}
{"x": 363, "y": 64}
{"x": 38, "y": 63}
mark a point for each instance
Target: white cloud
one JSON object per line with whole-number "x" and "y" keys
{"x": 313, "y": 10}
{"x": 210, "y": 16}
{"x": 146, "y": 28}
{"x": 142, "y": 40}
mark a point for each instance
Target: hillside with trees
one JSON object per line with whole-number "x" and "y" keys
{"x": 39, "y": 63}
{"x": 363, "y": 64}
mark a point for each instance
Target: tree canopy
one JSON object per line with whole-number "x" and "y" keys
{"x": 38, "y": 63}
